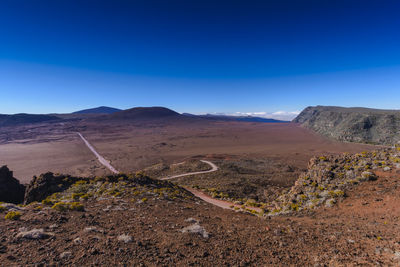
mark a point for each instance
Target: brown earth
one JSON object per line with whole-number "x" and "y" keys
{"x": 363, "y": 229}
{"x": 130, "y": 146}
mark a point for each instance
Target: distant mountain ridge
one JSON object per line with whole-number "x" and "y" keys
{"x": 22, "y": 118}
{"x": 98, "y": 110}
{"x": 235, "y": 118}
{"x": 144, "y": 113}
{"x": 361, "y": 125}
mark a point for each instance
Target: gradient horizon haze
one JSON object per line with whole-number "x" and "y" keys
{"x": 234, "y": 57}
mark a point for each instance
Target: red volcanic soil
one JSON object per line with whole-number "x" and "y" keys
{"x": 138, "y": 145}
{"x": 132, "y": 144}
{"x": 363, "y": 229}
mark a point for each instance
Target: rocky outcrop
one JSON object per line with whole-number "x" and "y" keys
{"x": 49, "y": 183}
{"x": 329, "y": 177}
{"x": 45, "y": 185}
{"x": 353, "y": 124}
{"x": 11, "y": 190}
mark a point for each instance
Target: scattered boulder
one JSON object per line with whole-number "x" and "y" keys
{"x": 33, "y": 234}
{"x": 66, "y": 255}
{"x": 10, "y": 189}
{"x": 196, "y": 229}
{"x": 125, "y": 238}
{"x": 368, "y": 176}
{"x": 90, "y": 229}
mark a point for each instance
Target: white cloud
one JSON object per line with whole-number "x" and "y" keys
{"x": 278, "y": 115}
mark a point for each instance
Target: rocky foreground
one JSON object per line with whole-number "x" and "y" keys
{"x": 133, "y": 219}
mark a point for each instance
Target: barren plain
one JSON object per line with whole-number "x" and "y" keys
{"x": 281, "y": 149}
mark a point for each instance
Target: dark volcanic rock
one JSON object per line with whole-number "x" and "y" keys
{"x": 45, "y": 185}
{"x": 353, "y": 124}
{"x": 10, "y": 189}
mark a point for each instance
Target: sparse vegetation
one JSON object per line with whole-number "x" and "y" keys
{"x": 13, "y": 215}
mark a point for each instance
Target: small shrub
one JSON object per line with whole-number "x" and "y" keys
{"x": 294, "y": 207}
{"x": 276, "y": 210}
{"x": 139, "y": 174}
{"x": 339, "y": 193}
{"x": 13, "y": 215}
{"x": 76, "y": 206}
{"x": 86, "y": 196}
{"x": 315, "y": 201}
{"x": 47, "y": 201}
{"x": 60, "y": 206}
{"x": 76, "y": 196}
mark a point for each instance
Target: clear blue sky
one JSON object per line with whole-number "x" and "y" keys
{"x": 198, "y": 56}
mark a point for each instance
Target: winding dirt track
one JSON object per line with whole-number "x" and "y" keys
{"x": 219, "y": 203}
{"x": 213, "y": 169}
{"x": 102, "y": 160}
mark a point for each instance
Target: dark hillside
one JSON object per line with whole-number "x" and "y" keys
{"x": 353, "y": 124}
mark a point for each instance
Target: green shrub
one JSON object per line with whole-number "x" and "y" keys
{"x": 76, "y": 206}
{"x": 63, "y": 206}
{"x": 13, "y": 215}
{"x": 76, "y": 196}
{"x": 60, "y": 206}
{"x": 339, "y": 193}
{"x": 294, "y": 207}
{"x": 47, "y": 201}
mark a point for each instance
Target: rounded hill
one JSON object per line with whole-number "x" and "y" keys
{"x": 144, "y": 113}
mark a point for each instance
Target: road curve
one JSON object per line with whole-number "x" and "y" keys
{"x": 102, "y": 160}
{"x": 219, "y": 203}
{"x": 212, "y": 165}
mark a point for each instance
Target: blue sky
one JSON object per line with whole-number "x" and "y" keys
{"x": 204, "y": 56}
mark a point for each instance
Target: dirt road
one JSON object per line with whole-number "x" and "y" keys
{"x": 220, "y": 203}
{"x": 212, "y": 165}
{"x": 102, "y": 160}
